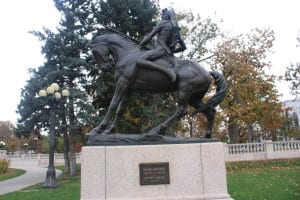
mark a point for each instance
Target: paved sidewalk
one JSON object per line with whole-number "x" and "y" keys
{"x": 34, "y": 174}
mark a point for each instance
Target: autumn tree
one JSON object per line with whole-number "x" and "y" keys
{"x": 252, "y": 100}
{"x": 292, "y": 75}
{"x": 198, "y": 33}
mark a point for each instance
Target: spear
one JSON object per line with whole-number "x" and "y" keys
{"x": 127, "y": 36}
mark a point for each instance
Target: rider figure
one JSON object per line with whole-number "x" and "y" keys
{"x": 168, "y": 36}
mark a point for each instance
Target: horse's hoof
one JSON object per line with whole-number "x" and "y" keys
{"x": 152, "y": 137}
{"x": 208, "y": 136}
{"x": 152, "y": 134}
{"x": 93, "y": 132}
{"x": 172, "y": 75}
{"x": 107, "y": 132}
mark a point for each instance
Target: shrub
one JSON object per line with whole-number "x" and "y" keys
{"x": 3, "y": 165}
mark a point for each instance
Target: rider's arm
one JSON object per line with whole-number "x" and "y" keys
{"x": 182, "y": 46}
{"x": 151, "y": 35}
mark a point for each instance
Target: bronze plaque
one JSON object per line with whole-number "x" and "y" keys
{"x": 154, "y": 173}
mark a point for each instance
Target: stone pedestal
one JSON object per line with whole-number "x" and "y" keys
{"x": 195, "y": 171}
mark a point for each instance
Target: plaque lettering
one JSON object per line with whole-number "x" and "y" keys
{"x": 154, "y": 173}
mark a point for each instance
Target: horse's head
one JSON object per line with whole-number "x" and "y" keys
{"x": 101, "y": 53}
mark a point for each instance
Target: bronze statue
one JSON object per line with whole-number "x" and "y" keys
{"x": 192, "y": 83}
{"x": 168, "y": 36}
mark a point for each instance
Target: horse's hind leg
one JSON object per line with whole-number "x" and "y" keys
{"x": 181, "y": 110}
{"x": 210, "y": 115}
{"x": 208, "y": 111}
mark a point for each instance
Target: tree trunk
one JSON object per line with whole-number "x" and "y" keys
{"x": 274, "y": 136}
{"x": 190, "y": 121}
{"x": 250, "y": 133}
{"x": 233, "y": 134}
{"x": 66, "y": 153}
{"x": 72, "y": 156}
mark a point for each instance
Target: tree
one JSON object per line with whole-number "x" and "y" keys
{"x": 252, "y": 100}
{"x": 292, "y": 75}
{"x": 132, "y": 17}
{"x": 66, "y": 63}
{"x": 6, "y": 130}
{"x": 199, "y": 34}
{"x": 290, "y": 127}
{"x": 69, "y": 64}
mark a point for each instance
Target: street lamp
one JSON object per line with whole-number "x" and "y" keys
{"x": 25, "y": 147}
{"x": 2, "y": 145}
{"x": 54, "y": 97}
{"x": 35, "y": 143}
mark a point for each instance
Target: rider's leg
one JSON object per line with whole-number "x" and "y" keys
{"x": 152, "y": 55}
{"x": 150, "y": 65}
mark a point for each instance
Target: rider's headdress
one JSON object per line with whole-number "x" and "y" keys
{"x": 173, "y": 14}
{"x": 165, "y": 11}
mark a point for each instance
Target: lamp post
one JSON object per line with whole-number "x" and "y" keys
{"x": 54, "y": 97}
{"x": 25, "y": 147}
{"x": 2, "y": 145}
{"x": 35, "y": 143}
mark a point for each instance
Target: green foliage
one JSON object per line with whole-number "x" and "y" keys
{"x": 45, "y": 144}
{"x": 292, "y": 75}
{"x": 4, "y": 164}
{"x": 133, "y": 17}
{"x": 290, "y": 127}
{"x": 198, "y": 34}
{"x": 66, "y": 63}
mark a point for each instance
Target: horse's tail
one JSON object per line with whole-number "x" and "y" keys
{"x": 221, "y": 89}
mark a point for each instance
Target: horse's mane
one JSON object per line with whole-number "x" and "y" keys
{"x": 125, "y": 37}
{"x": 128, "y": 39}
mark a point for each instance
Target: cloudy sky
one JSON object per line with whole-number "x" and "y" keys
{"x": 19, "y": 50}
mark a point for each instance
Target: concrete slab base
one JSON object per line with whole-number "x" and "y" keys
{"x": 195, "y": 171}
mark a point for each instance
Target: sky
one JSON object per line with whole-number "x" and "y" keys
{"x": 20, "y": 50}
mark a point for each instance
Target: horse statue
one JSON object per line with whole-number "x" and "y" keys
{"x": 192, "y": 82}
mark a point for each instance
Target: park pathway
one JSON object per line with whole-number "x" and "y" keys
{"x": 34, "y": 174}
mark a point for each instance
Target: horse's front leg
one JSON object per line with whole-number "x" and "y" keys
{"x": 120, "y": 91}
{"x": 119, "y": 114}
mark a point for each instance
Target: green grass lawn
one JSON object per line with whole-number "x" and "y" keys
{"x": 69, "y": 189}
{"x": 11, "y": 173}
{"x": 260, "y": 180}
{"x": 264, "y": 180}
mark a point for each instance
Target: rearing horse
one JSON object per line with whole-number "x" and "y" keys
{"x": 192, "y": 82}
